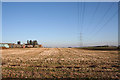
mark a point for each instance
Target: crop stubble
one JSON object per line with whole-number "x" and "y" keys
{"x": 59, "y": 63}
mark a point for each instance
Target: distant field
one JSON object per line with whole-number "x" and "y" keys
{"x": 59, "y": 63}
{"x": 99, "y": 48}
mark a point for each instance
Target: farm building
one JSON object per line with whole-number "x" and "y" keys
{"x": 30, "y": 44}
{"x": 40, "y": 46}
{"x": 36, "y": 46}
{"x": 18, "y": 46}
{"x": 3, "y": 45}
{"x": 11, "y": 45}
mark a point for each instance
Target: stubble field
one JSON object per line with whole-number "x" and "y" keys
{"x": 59, "y": 63}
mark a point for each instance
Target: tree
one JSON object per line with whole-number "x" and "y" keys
{"x": 31, "y": 43}
{"x": 28, "y": 42}
{"x": 35, "y": 42}
{"x": 19, "y": 42}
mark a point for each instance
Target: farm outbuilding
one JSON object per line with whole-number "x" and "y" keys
{"x": 4, "y": 45}
{"x": 29, "y": 46}
{"x": 19, "y": 45}
{"x": 11, "y": 45}
{"x": 36, "y": 46}
{"x": 40, "y": 46}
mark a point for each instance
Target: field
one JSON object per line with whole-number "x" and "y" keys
{"x": 101, "y": 48}
{"x": 59, "y": 63}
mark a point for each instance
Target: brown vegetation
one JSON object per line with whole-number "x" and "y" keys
{"x": 59, "y": 63}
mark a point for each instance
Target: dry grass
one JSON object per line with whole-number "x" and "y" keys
{"x": 59, "y": 63}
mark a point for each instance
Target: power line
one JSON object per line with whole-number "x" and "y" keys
{"x": 81, "y": 17}
{"x": 94, "y": 13}
{"x": 78, "y": 13}
{"x": 102, "y": 18}
{"x": 82, "y": 22}
{"x": 97, "y": 31}
{"x": 106, "y": 23}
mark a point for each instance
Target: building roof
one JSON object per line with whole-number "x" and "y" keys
{"x": 7, "y": 43}
{"x": 4, "y": 45}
